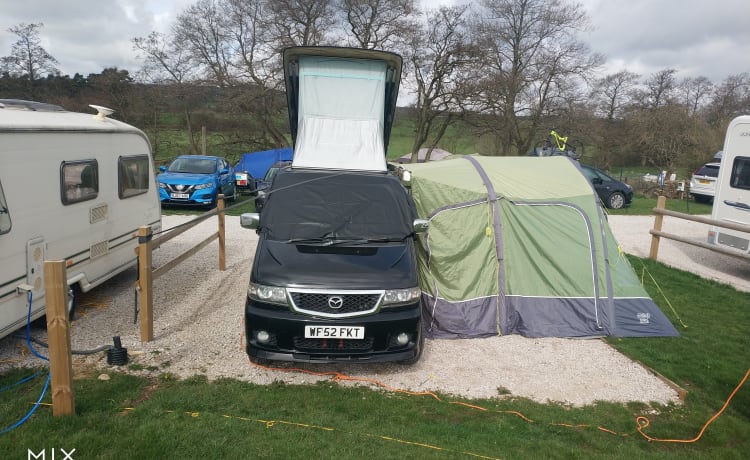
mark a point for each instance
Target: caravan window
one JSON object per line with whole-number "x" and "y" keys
{"x": 4, "y": 213}
{"x": 741, "y": 173}
{"x": 133, "y": 175}
{"x": 79, "y": 181}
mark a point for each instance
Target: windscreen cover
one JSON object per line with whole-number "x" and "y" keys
{"x": 311, "y": 204}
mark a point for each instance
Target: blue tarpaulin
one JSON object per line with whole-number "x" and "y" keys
{"x": 257, "y": 163}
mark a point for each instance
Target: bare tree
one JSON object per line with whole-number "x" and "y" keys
{"x": 612, "y": 93}
{"x": 694, "y": 93}
{"x": 202, "y": 30}
{"x": 300, "y": 22}
{"x": 437, "y": 54}
{"x": 27, "y": 56}
{"x": 729, "y": 99}
{"x": 167, "y": 64}
{"x": 531, "y": 56}
{"x": 378, "y": 23}
{"x": 660, "y": 89}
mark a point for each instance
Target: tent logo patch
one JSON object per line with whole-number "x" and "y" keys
{"x": 644, "y": 318}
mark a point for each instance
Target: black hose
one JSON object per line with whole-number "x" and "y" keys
{"x": 75, "y": 352}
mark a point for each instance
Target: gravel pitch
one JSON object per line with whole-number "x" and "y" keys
{"x": 198, "y": 330}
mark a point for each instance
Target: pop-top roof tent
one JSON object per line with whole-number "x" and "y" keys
{"x": 341, "y": 104}
{"x": 520, "y": 245}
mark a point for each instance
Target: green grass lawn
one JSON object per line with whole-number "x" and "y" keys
{"x": 643, "y": 206}
{"x": 134, "y": 417}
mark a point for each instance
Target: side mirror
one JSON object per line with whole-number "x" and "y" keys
{"x": 224, "y": 171}
{"x": 421, "y": 225}
{"x": 250, "y": 220}
{"x": 597, "y": 181}
{"x": 162, "y": 168}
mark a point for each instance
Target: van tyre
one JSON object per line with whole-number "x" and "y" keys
{"x": 260, "y": 361}
{"x": 616, "y": 200}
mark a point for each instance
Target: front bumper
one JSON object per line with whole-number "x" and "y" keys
{"x": 288, "y": 343}
{"x": 203, "y": 197}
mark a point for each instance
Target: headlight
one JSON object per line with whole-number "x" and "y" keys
{"x": 266, "y": 294}
{"x": 162, "y": 185}
{"x": 394, "y": 297}
{"x": 206, "y": 185}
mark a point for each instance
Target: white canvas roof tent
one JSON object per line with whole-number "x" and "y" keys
{"x": 341, "y": 106}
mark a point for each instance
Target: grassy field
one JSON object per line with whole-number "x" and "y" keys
{"x": 164, "y": 417}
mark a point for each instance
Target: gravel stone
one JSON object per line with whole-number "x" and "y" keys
{"x": 198, "y": 315}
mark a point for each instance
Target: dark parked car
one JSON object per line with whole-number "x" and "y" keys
{"x": 613, "y": 193}
{"x": 263, "y": 185}
{"x": 196, "y": 180}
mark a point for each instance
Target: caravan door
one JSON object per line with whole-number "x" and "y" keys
{"x": 732, "y": 201}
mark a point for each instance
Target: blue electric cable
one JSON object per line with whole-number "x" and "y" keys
{"x": 33, "y": 409}
{"x": 49, "y": 375}
{"x": 28, "y": 331}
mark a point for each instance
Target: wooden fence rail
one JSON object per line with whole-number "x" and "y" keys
{"x": 147, "y": 274}
{"x": 657, "y": 232}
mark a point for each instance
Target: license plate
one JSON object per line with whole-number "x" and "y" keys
{"x": 335, "y": 332}
{"x": 183, "y": 196}
{"x": 704, "y": 181}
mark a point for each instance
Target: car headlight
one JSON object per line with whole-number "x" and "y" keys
{"x": 206, "y": 185}
{"x": 266, "y": 294}
{"x": 162, "y": 185}
{"x": 630, "y": 187}
{"x": 393, "y": 297}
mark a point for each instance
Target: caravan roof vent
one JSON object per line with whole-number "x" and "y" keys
{"x": 103, "y": 112}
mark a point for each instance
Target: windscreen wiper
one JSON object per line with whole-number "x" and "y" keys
{"x": 335, "y": 241}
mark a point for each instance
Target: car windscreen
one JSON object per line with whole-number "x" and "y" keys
{"x": 193, "y": 166}
{"x": 709, "y": 170}
{"x": 320, "y": 206}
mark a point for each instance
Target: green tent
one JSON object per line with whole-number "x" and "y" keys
{"x": 521, "y": 245}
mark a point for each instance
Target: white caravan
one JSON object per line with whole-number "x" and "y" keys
{"x": 73, "y": 187}
{"x": 732, "y": 200}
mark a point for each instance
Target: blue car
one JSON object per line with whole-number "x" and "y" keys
{"x": 196, "y": 180}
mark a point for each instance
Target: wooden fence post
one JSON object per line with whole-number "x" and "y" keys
{"x": 222, "y": 240}
{"x": 658, "y": 220}
{"x": 145, "y": 283}
{"x": 58, "y": 335}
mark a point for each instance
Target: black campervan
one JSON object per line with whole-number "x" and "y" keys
{"x": 335, "y": 273}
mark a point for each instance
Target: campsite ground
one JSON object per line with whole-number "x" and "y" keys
{"x": 198, "y": 330}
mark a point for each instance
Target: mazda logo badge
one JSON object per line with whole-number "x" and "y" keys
{"x": 335, "y": 302}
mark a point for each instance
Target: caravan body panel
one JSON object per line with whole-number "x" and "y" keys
{"x": 732, "y": 200}
{"x": 73, "y": 187}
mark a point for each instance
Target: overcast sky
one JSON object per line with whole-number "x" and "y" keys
{"x": 708, "y": 38}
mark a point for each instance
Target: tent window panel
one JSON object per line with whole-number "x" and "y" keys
{"x": 79, "y": 181}
{"x": 133, "y": 175}
{"x": 549, "y": 243}
{"x": 471, "y": 250}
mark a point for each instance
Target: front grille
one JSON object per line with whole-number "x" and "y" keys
{"x": 333, "y": 345}
{"x": 335, "y": 304}
{"x": 175, "y": 188}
